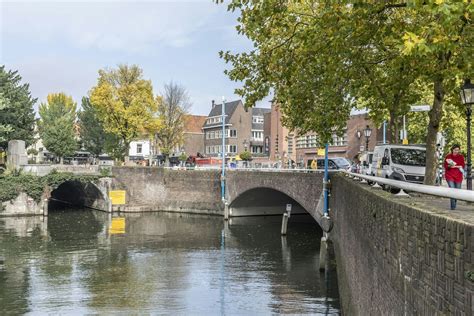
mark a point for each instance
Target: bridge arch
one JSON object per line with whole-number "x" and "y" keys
{"x": 74, "y": 193}
{"x": 264, "y": 201}
{"x": 304, "y": 188}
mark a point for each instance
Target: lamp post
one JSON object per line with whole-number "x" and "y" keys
{"x": 367, "y": 133}
{"x": 467, "y": 98}
{"x": 223, "y": 151}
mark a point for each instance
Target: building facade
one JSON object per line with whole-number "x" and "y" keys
{"x": 244, "y": 130}
{"x": 193, "y": 138}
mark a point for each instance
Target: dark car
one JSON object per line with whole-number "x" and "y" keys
{"x": 335, "y": 163}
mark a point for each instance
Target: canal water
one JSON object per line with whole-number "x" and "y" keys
{"x": 85, "y": 262}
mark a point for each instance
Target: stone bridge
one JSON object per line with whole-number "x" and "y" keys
{"x": 267, "y": 193}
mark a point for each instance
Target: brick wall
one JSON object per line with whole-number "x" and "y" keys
{"x": 394, "y": 259}
{"x": 158, "y": 189}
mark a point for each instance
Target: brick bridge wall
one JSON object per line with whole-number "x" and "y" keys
{"x": 394, "y": 259}
{"x": 158, "y": 189}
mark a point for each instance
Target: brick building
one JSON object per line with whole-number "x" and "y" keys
{"x": 193, "y": 138}
{"x": 244, "y": 128}
{"x": 286, "y": 144}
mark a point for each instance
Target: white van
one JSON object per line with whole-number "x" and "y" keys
{"x": 399, "y": 162}
{"x": 366, "y": 160}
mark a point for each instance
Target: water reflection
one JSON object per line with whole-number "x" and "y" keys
{"x": 162, "y": 263}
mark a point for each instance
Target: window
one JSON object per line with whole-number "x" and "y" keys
{"x": 257, "y": 119}
{"x": 139, "y": 148}
{"x": 257, "y": 135}
{"x": 256, "y": 149}
{"x": 231, "y": 133}
{"x": 232, "y": 149}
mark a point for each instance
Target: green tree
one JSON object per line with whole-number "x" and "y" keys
{"x": 5, "y": 129}
{"x": 125, "y": 104}
{"x": 323, "y": 58}
{"x": 92, "y": 133}
{"x": 245, "y": 156}
{"x": 17, "y": 111}
{"x": 56, "y": 124}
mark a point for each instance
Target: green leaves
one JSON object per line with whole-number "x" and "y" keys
{"x": 56, "y": 124}
{"x": 17, "y": 116}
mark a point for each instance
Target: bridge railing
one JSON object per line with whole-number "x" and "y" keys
{"x": 459, "y": 194}
{"x": 280, "y": 170}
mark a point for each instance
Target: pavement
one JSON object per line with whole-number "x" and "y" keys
{"x": 464, "y": 211}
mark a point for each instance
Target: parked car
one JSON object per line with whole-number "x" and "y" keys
{"x": 334, "y": 163}
{"x": 399, "y": 162}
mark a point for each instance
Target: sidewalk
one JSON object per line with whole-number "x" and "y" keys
{"x": 463, "y": 212}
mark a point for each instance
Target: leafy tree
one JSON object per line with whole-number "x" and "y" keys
{"x": 323, "y": 58}
{"x": 172, "y": 110}
{"x": 56, "y": 124}
{"x": 92, "y": 133}
{"x": 17, "y": 111}
{"x": 245, "y": 156}
{"x": 5, "y": 129}
{"x": 125, "y": 104}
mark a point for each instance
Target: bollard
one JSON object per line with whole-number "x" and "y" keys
{"x": 402, "y": 194}
{"x": 226, "y": 211}
{"x": 323, "y": 250}
{"x": 376, "y": 186}
{"x": 284, "y": 224}
{"x": 45, "y": 207}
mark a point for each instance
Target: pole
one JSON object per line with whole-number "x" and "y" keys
{"x": 326, "y": 180}
{"x": 469, "y": 162}
{"x": 384, "y": 132}
{"x": 223, "y": 151}
{"x": 366, "y": 143}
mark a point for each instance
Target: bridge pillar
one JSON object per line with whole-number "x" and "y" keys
{"x": 226, "y": 211}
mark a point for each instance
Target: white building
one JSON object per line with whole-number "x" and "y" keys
{"x": 139, "y": 150}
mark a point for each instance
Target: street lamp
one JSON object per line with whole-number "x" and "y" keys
{"x": 245, "y": 144}
{"x": 367, "y": 133}
{"x": 467, "y": 98}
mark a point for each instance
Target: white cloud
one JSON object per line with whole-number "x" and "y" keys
{"x": 107, "y": 26}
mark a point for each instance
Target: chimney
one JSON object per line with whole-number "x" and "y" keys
{"x": 213, "y": 104}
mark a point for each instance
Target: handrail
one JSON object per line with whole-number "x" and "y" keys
{"x": 459, "y": 194}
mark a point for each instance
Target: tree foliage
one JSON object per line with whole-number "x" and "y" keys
{"x": 5, "y": 129}
{"x": 125, "y": 103}
{"x": 172, "y": 111}
{"x": 92, "y": 133}
{"x": 56, "y": 124}
{"x": 245, "y": 155}
{"x": 322, "y": 58}
{"x": 16, "y": 112}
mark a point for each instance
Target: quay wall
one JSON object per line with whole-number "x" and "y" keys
{"x": 397, "y": 259}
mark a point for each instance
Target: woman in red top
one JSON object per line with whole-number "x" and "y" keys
{"x": 454, "y": 166}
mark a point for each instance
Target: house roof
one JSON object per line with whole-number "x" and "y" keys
{"x": 229, "y": 110}
{"x": 194, "y": 123}
{"x": 260, "y": 111}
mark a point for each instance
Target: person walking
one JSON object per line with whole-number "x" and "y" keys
{"x": 454, "y": 170}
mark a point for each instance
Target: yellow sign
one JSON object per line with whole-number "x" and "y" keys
{"x": 117, "y": 197}
{"x": 117, "y": 226}
{"x": 321, "y": 151}
{"x": 405, "y": 141}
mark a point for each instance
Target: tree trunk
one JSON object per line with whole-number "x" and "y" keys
{"x": 392, "y": 129}
{"x": 61, "y": 160}
{"x": 435, "y": 116}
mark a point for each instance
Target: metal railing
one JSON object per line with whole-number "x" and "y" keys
{"x": 459, "y": 194}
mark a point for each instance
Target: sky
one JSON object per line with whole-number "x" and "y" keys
{"x": 59, "y": 46}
